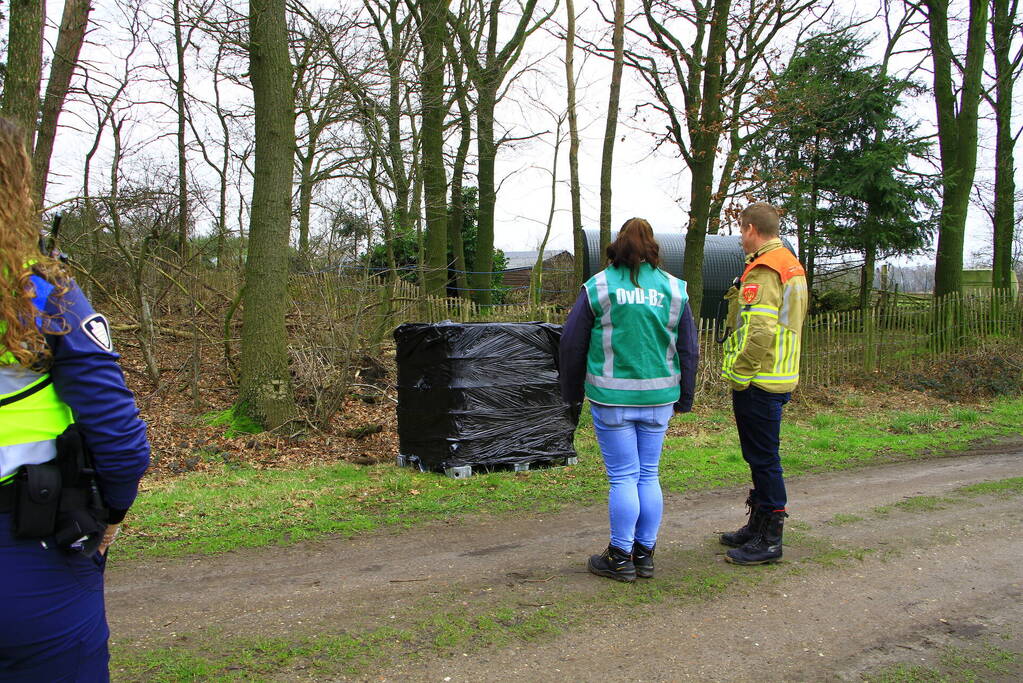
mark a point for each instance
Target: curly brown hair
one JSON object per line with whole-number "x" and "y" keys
{"x": 19, "y": 255}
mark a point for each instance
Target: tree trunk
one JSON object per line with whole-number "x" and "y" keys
{"x": 867, "y": 276}
{"x": 24, "y": 65}
{"x": 957, "y": 135}
{"x": 483, "y": 264}
{"x": 456, "y": 217}
{"x": 432, "y": 31}
{"x": 305, "y": 204}
{"x": 705, "y": 138}
{"x": 578, "y": 239}
{"x": 611, "y": 126}
{"x": 536, "y": 278}
{"x": 265, "y": 386}
{"x": 179, "y": 98}
{"x": 1005, "y": 183}
{"x": 811, "y": 229}
{"x": 65, "y": 57}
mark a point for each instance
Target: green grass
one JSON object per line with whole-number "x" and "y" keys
{"x": 235, "y": 422}
{"x": 238, "y": 506}
{"x": 956, "y": 665}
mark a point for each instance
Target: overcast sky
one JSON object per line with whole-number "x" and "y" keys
{"x": 647, "y": 182}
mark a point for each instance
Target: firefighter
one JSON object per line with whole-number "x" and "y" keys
{"x": 766, "y": 309}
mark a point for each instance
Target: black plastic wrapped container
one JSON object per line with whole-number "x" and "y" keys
{"x": 477, "y": 394}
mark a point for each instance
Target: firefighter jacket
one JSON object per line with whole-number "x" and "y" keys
{"x": 766, "y": 309}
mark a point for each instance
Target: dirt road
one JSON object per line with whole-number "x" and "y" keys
{"x": 886, "y": 568}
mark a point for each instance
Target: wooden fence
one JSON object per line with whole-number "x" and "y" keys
{"x": 896, "y": 334}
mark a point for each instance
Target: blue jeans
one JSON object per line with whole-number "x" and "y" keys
{"x": 630, "y": 439}
{"x": 758, "y": 419}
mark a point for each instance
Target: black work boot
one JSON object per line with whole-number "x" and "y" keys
{"x": 614, "y": 563}
{"x": 748, "y": 531}
{"x": 765, "y": 546}
{"x": 643, "y": 558}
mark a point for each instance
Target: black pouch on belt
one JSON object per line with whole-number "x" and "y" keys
{"x": 81, "y": 517}
{"x": 37, "y": 500}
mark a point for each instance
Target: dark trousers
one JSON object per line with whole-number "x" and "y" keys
{"x": 54, "y": 628}
{"x": 758, "y": 419}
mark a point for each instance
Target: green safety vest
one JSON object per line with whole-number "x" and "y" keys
{"x": 632, "y": 360}
{"x": 31, "y": 417}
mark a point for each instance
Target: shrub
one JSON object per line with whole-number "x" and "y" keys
{"x": 971, "y": 375}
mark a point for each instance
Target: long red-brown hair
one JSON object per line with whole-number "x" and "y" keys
{"x": 19, "y": 247}
{"x": 634, "y": 245}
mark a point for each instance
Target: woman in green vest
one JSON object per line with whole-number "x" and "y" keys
{"x": 630, "y": 346}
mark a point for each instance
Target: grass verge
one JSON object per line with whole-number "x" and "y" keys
{"x": 244, "y": 507}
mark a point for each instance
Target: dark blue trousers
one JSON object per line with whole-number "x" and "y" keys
{"x": 758, "y": 419}
{"x": 54, "y": 627}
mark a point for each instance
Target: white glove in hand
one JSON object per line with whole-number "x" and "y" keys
{"x": 108, "y": 537}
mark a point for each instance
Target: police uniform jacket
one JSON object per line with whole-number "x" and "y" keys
{"x": 87, "y": 379}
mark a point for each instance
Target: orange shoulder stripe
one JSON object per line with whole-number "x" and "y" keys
{"x": 781, "y": 261}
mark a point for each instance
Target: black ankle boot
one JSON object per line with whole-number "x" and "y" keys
{"x": 765, "y": 547}
{"x": 614, "y": 563}
{"x": 745, "y": 533}
{"x": 643, "y": 558}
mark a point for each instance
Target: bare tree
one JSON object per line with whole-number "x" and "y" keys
{"x": 265, "y": 386}
{"x": 611, "y": 126}
{"x": 488, "y": 66}
{"x": 578, "y": 239}
{"x": 957, "y": 131}
{"x": 701, "y": 64}
{"x": 24, "y": 64}
{"x": 432, "y": 21}
{"x": 1004, "y": 29}
{"x": 73, "y": 25}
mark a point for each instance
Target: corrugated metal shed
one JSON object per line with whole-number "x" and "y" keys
{"x": 723, "y": 260}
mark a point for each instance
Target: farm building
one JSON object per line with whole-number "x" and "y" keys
{"x": 519, "y": 268}
{"x": 977, "y": 282}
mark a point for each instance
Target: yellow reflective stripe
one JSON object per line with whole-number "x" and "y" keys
{"x": 794, "y": 353}
{"x": 741, "y": 379}
{"x": 779, "y": 351}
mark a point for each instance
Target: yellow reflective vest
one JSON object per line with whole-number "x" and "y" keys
{"x": 32, "y": 416}
{"x": 766, "y": 311}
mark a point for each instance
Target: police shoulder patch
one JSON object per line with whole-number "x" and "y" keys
{"x": 97, "y": 329}
{"x": 751, "y": 293}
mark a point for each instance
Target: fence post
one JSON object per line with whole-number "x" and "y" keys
{"x": 869, "y": 353}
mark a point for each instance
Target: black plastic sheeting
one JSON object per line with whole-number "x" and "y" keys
{"x": 481, "y": 394}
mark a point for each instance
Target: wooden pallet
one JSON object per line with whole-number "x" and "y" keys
{"x": 466, "y": 471}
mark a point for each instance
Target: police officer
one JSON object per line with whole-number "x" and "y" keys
{"x": 57, "y": 369}
{"x": 630, "y": 344}
{"x": 761, "y": 361}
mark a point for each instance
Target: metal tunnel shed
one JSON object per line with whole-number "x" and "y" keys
{"x": 723, "y": 260}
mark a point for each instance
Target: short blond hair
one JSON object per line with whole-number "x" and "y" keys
{"x": 764, "y": 217}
